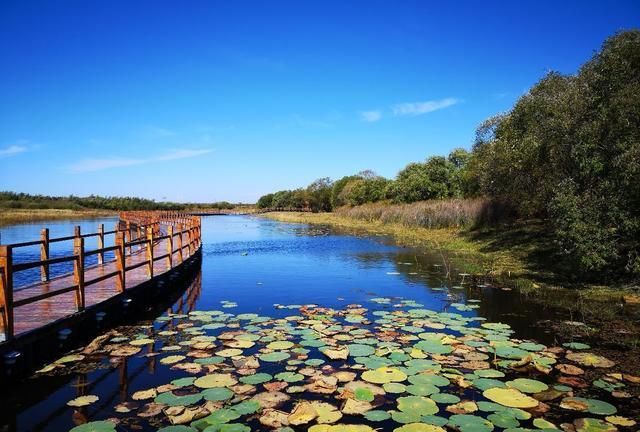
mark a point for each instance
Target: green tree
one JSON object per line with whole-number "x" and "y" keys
{"x": 319, "y": 194}
{"x": 265, "y": 201}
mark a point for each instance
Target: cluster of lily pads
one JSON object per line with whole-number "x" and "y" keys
{"x": 391, "y": 366}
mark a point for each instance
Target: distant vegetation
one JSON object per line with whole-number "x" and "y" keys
{"x": 13, "y": 200}
{"x": 568, "y": 153}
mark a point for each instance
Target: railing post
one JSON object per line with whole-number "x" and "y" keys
{"x": 6, "y": 290}
{"x": 180, "y": 243}
{"x": 78, "y": 270}
{"x": 100, "y": 243}
{"x": 150, "y": 250}
{"x": 127, "y": 235}
{"x": 44, "y": 254}
{"x": 121, "y": 263}
{"x": 189, "y": 239}
{"x": 170, "y": 247}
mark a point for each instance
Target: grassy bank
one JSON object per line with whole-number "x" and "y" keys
{"x": 457, "y": 242}
{"x": 15, "y": 216}
{"x": 516, "y": 254}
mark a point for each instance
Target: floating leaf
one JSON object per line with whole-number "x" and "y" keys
{"x": 81, "y": 401}
{"x": 302, "y": 413}
{"x": 417, "y": 404}
{"x": 589, "y": 359}
{"x": 215, "y": 380}
{"x": 217, "y": 394}
{"x": 527, "y": 385}
{"x": 377, "y": 415}
{"x": 257, "y": 378}
{"x": 95, "y": 426}
{"x": 510, "y": 397}
{"x": 593, "y": 425}
{"x": 280, "y": 345}
{"x": 384, "y": 375}
{"x": 419, "y": 427}
{"x": 274, "y": 356}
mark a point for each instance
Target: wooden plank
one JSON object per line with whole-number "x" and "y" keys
{"x": 47, "y": 301}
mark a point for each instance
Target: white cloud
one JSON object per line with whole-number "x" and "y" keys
{"x": 182, "y": 154}
{"x": 12, "y": 150}
{"x": 370, "y": 116}
{"x": 419, "y": 108}
{"x": 99, "y": 164}
{"x": 87, "y": 165}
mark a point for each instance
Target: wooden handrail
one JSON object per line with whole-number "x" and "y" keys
{"x": 141, "y": 230}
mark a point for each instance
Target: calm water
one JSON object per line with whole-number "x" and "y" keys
{"x": 258, "y": 264}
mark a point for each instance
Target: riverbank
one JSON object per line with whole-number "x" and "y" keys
{"x": 512, "y": 257}
{"x": 15, "y": 216}
{"x": 473, "y": 251}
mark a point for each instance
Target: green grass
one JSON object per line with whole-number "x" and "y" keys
{"x": 16, "y": 216}
{"x": 516, "y": 255}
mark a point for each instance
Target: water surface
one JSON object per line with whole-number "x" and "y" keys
{"x": 260, "y": 264}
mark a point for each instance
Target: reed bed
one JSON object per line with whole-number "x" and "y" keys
{"x": 16, "y": 216}
{"x": 459, "y": 213}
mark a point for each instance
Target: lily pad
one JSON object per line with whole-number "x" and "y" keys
{"x": 384, "y": 375}
{"x": 510, "y": 397}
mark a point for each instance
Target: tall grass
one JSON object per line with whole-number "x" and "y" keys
{"x": 467, "y": 213}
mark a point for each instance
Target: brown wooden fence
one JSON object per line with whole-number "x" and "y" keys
{"x": 138, "y": 234}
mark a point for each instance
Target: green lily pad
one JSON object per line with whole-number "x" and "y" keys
{"x": 274, "y": 357}
{"x": 417, "y": 404}
{"x": 377, "y": 415}
{"x": 217, "y": 394}
{"x": 257, "y": 378}
{"x": 384, "y": 375}
{"x": 527, "y": 385}
{"x": 95, "y": 426}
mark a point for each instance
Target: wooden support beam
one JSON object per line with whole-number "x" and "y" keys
{"x": 170, "y": 247}
{"x": 78, "y": 271}
{"x": 6, "y": 290}
{"x": 100, "y": 243}
{"x": 127, "y": 234}
{"x": 44, "y": 254}
{"x": 121, "y": 262}
{"x": 150, "y": 251}
{"x": 180, "y": 253}
{"x": 189, "y": 240}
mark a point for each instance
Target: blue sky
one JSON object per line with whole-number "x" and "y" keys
{"x": 239, "y": 98}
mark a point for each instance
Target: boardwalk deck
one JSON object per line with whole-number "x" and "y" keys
{"x": 29, "y": 310}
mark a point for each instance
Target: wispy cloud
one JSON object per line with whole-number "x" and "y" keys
{"x": 419, "y": 108}
{"x": 99, "y": 164}
{"x": 12, "y": 150}
{"x": 371, "y": 116}
{"x": 182, "y": 154}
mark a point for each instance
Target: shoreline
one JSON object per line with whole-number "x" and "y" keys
{"x": 615, "y": 320}
{"x": 18, "y": 216}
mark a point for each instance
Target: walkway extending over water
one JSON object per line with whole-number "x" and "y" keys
{"x": 147, "y": 244}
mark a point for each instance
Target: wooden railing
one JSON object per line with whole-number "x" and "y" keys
{"x": 135, "y": 233}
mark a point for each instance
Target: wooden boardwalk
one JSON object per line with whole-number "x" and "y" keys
{"x": 157, "y": 243}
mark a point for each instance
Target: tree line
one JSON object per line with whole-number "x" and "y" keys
{"x": 15, "y": 200}
{"x": 567, "y": 152}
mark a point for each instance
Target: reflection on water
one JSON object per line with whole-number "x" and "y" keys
{"x": 258, "y": 264}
